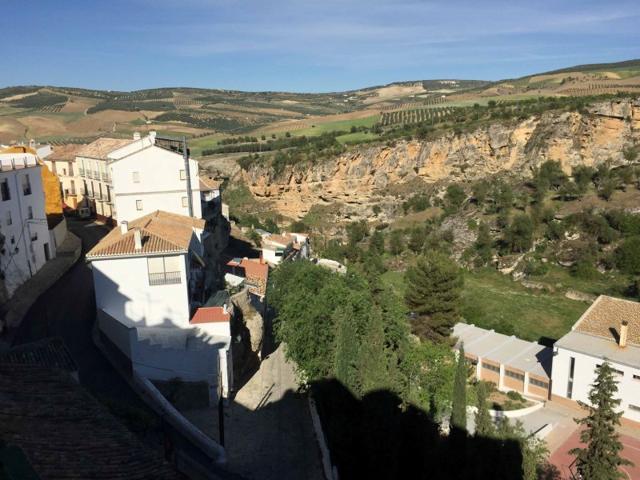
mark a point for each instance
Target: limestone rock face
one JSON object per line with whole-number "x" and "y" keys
{"x": 363, "y": 176}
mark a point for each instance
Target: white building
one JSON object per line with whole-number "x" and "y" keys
{"x": 127, "y": 179}
{"x": 285, "y": 246}
{"x": 25, "y": 243}
{"x": 608, "y": 330}
{"x": 149, "y": 275}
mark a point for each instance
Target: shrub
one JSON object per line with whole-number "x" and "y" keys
{"x": 628, "y": 256}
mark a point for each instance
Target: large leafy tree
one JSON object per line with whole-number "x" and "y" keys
{"x": 601, "y": 459}
{"x": 433, "y": 296}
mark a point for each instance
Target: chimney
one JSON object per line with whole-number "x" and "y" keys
{"x": 124, "y": 227}
{"x": 224, "y": 309}
{"x": 152, "y": 136}
{"x": 137, "y": 239}
{"x": 624, "y": 332}
{"x": 136, "y": 135}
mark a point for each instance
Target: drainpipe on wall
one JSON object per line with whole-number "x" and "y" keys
{"x": 185, "y": 154}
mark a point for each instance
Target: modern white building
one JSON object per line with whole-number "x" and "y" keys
{"x": 126, "y": 179}
{"x": 25, "y": 242}
{"x": 149, "y": 276}
{"x": 507, "y": 361}
{"x": 609, "y": 330}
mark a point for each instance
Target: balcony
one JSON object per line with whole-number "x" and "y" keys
{"x": 81, "y": 172}
{"x": 164, "y": 278}
{"x": 105, "y": 177}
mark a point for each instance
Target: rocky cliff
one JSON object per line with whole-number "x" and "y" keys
{"x": 365, "y": 176}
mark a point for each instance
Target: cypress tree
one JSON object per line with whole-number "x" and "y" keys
{"x": 433, "y": 295}
{"x": 459, "y": 403}
{"x": 601, "y": 457}
{"x": 484, "y": 424}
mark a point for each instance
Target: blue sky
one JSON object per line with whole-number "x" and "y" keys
{"x": 300, "y": 45}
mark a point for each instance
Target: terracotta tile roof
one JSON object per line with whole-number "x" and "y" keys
{"x": 210, "y": 315}
{"x": 65, "y": 152}
{"x": 161, "y": 232}
{"x": 66, "y": 433}
{"x": 604, "y": 316}
{"x": 102, "y": 147}
{"x": 207, "y": 182}
{"x": 257, "y": 275}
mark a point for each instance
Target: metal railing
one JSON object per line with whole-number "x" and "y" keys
{"x": 164, "y": 278}
{"x": 81, "y": 172}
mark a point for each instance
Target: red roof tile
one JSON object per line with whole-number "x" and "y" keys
{"x": 211, "y": 315}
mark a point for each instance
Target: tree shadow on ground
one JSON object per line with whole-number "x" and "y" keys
{"x": 378, "y": 437}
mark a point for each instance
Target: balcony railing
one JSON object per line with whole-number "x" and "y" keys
{"x": 81, "y": 172}
{"x": 105, "y": 177}
{"x": 164, "y": 278}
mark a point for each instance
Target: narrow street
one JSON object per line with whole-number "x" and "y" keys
{"x": 67, "y": 310}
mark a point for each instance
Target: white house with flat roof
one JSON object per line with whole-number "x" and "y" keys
{"x": 609, "y": 330}
{"x": 509, "y": 362}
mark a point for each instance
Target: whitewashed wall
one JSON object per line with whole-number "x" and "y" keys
{"x": 584, "y": 375}
{"x": 159, "y": 186}
{"x": 123, "y": 291}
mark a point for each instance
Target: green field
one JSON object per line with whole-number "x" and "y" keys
{"x": 357, "y": 137}
{"x": 493, "y": 300}
{"x": 338, "y": 125}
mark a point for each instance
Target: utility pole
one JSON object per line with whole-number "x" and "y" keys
{"x": 187, "y": 171}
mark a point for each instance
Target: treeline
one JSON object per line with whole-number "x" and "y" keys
{"x": 39, "y": 100}
{"x": 215, "y": 123}
{"x": 383, "y": 394}
{"x": 131, "y": 106}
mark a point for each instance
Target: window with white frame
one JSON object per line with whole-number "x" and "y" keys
{"x": 164, "y": 270}
{"x": 136, "y": 177}
{"x": 26, "y": 184}
{"x": 138, "y": 204}
{"x": 4, "y": 189}
{"x": 185, "y": 202}
{"x": 29, "y": 212}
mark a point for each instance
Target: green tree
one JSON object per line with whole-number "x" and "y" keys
{"x": 356, "y": 231}
{"x": 433, "y": 296}
{"x": 519, "y": 235}
{"x": 601, "y": 459}
{"x": 480, "y": 192}
{"x": 346, "y": 353}
{"x": 376, "y": 242}
{"x": 483, "y": 245}
{"x": 627, "y": 256}
{"x": 484, "y": 424}
{"x": 396, "y": 242}
{"x": 416, "y": 239}
{"x": 459, "y": 401}
{"x": 583, "y": 177}
{"x": 454, "y": 198}
{"x": 550, "y": 175}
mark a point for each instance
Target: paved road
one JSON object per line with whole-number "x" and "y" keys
{"x": 268, "y": 429}
{"x": 67, "y": 309}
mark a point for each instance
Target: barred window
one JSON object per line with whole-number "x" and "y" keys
{"x": 517, "y": 376}
{"x": 539, "y": 383}
{"x": 491, "y": 367}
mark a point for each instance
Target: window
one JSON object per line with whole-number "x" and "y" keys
{"x": 29, "y": 212}
{"x": 164, "y": 270}
{"x": 538, "y": 383}
{"x": 183, "y": 175}
{"x": 26, "y": 184}
{"x": 9, "y": 220}
{"x": 620, "y": 373}
{"x": 517, "y": 376}
{"x": 138, "y": 204}
{"x": 71, "y": 169}
{"x": 636, "y": 377}
{"x": 34, "y": 236}
{"x": 136, "y": 177}
{"x": 572, "y": 366}
{"x": 491, "y": 367}
{"x": 635, "y": 408}
{"x": 185, "y": 202}
{"x": 4, "y": 187}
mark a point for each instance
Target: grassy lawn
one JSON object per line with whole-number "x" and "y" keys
{"x": 493, "y": 300}
{"x": 603, "y": 284}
